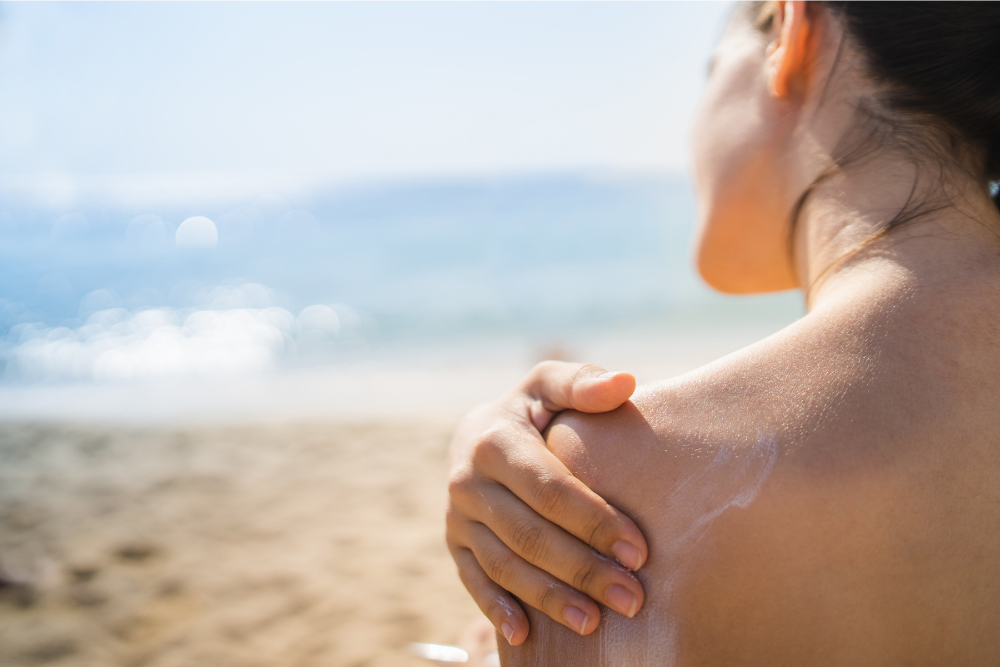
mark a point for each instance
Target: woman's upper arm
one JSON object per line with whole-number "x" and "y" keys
{"x": 693, "y": 502}
{"x": 617, "y": 452}
{"x": 604, "y": 451}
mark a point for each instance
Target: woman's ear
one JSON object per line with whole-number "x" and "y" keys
{"x": 787, "y": 56}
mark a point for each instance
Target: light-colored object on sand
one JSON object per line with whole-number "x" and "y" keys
{"x": 450, "y": 655}
{"x": 440, "y": 653}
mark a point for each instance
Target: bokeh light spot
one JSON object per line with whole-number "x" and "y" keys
{"x": 197, "y": 232}
{"x": 320, "y": 318}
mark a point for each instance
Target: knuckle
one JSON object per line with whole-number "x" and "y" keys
{"x": 587, "y": 370}
{"x": 499, "y": 566}
{"x": 543, "y": 368}
{"x": 496, "y": 607}
{"x": 600, "y": 528}
{"x": 461, "y": 486}
{"x": 528, "y": 537}
{"x": 471, "y": 582}
{"x": 552, "y": 494}
{"x": 456, "y": 549}
{"x": 453, "y": 520}
{"x": 549, "y": 598}
{"x": 543, "y": 374}
{"x": 585, "y": 576}
{"x": 487, "y": 447}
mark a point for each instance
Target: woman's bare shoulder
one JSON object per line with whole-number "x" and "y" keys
{"x": 789, "y": 511}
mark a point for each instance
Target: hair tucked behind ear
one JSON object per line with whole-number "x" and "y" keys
{"x": 937, "y": 65}
{"x": 938, "y": 62}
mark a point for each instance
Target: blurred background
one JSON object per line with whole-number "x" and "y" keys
{"x": 212, "y": 191}
{"x": 228, "y": 223}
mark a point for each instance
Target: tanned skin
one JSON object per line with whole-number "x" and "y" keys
{"x": 827, "y": 496}
{"x": 872, "y": 540}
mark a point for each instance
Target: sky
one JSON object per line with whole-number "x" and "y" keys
{"x": 348, "y": 91}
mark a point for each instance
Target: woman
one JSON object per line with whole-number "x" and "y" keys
{"x": 830, "y": 494}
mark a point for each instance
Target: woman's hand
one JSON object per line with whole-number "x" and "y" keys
{"x": 520, "y": 523}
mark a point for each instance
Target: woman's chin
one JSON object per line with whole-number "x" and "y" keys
{"x": 734, "y": 278}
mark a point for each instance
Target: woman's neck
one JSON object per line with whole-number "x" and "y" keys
{"x": 842, "y": 243}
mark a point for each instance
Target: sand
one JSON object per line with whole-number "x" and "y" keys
{"x": 309, "y": 534}
{"x": 292, "y": 545}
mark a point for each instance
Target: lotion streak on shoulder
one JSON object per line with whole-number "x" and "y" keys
{"x": 674, "y": 525}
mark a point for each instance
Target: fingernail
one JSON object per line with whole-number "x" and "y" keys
{"x": 608, "y": 374}
{"x": 621, "y": 600}
{"x": 627, "y": 555}
{"x": 507, "y": 631}
{"x": 576, "y": 619}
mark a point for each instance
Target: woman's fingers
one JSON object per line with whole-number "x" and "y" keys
{"x": 567, "y": 502}
{"x": 551, "y": 519}
{"x": 496, "y": 604}
{"x": 538, "y": 478}
{"x": 539, "y": 589}
{"x": 550, "y": 548}
{"x": 559, "y": 385}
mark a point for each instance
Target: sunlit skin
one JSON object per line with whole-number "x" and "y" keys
{"x": 873, "y": 538}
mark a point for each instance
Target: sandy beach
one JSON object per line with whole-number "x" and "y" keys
{"x": 293, "y": 520}
{"x": 303, "y": 544}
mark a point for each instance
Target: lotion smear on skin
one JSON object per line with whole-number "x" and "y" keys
{"x": 676, "y": 524}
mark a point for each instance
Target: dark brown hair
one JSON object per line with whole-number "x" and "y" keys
{"x": 940, "y": 59}
{"x": 938, "y": 68}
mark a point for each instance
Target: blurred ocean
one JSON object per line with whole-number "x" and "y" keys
{"x": 119, "y": 289}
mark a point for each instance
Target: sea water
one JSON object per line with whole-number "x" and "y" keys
{"x": 106, "y": 288}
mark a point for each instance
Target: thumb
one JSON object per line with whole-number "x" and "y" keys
{"x": 560, "y": 385}
{"x": 602, "y": 391}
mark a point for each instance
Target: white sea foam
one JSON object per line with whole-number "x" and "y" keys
{"x": 232, "y": 330}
